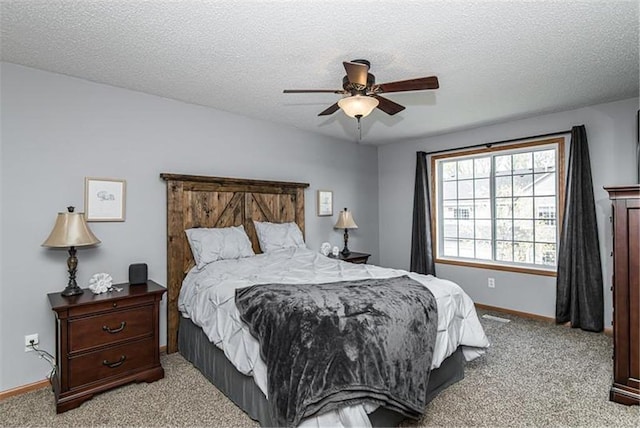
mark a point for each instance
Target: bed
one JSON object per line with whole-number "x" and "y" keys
{"x": 232, "y": 362}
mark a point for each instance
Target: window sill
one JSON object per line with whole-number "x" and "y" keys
{"x": 495, "y": 266}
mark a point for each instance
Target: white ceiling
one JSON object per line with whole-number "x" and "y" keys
{"x": 496, "y": 60}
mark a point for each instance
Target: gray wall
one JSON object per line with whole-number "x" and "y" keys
{"x": 611, "y": 132}
{"x": 56, "y": 130}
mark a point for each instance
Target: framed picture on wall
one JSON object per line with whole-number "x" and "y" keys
{"x": 325, "y": 203}
{"x": 104, "y": 199}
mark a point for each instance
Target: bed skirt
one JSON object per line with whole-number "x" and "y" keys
{"x": 195, "y": 346}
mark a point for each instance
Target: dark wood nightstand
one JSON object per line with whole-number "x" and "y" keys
{"x": 105, "y": 340}
{"x": 353, "y": 257}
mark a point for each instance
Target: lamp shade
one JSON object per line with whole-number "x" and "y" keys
{"x": 357, "y": 105}
{"x": 345, "y": 221}
{"x": 70, "y": 230}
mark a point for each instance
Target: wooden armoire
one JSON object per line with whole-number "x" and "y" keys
{"x": 625, "y": 217}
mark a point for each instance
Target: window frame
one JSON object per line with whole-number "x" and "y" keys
{"x": 493, "y": 264}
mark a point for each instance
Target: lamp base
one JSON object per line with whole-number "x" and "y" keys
{"x": 345, "y": 251}
{"x": 72, "y": 290}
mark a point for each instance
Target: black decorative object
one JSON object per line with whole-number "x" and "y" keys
{"x": 138, "y": 273}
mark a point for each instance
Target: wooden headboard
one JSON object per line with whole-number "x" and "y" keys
{"x": 200, "y": 201}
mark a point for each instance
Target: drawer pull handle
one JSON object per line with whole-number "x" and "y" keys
{"x": 116, "y": 330}
{"x": 115, "y": 305}
{"x": 116, "y": 364}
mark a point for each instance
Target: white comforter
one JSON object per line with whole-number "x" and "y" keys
{"x": 207, "y": 297}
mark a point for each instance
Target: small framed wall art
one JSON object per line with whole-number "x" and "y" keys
{"x": 325, "y": 203}
{"x": 104, "y": 199}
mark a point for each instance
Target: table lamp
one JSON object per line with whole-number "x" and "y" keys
{"x": 345, "y": 221}
{"x": 71, "y": 230}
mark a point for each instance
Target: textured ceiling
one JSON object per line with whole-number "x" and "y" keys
{"x": 495, "y": 60}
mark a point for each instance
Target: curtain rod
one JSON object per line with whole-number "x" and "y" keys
{"x": 487, "y": 145}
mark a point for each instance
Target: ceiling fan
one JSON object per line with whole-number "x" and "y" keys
{"x": 363, "y": 94}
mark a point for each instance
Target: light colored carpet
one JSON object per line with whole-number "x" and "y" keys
{"x": 535, "y": 374}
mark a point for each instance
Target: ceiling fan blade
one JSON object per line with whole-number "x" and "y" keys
{"x": 388, "y": 106}
{"x": 334, "y": 108}
{"x": 356, "y": 72}
{"x": 419, "y": 84}
{"x": 311, "y": 91}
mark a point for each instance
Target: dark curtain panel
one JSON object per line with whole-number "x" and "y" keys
{"x": 579, "y": 295}
{"x": 421, "y": 244}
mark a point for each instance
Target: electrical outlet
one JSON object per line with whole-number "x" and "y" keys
{"x": 28, "y": 341}
{"x": 491, "y": 283}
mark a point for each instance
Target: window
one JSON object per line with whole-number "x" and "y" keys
{"x": 498, "y": 206}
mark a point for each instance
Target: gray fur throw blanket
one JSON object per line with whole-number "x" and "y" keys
{"x": 334, "y": 344}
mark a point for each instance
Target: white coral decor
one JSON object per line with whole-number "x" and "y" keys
{"x": 325, "y": 248}
{"x": 100, "y": 283}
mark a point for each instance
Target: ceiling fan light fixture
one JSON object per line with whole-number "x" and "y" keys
{"x": 358, "y": 106}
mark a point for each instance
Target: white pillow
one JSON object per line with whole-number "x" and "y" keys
{"x": 209, "y": 245}
{"x": 277, "y": 236}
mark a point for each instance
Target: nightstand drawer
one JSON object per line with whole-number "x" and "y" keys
{"x": 108, "y": 305}
{"x": 112, "y": 327}
{"x": 110, "y": 362}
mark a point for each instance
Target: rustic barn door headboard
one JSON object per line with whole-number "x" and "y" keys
{"x": 200, "y": 201}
